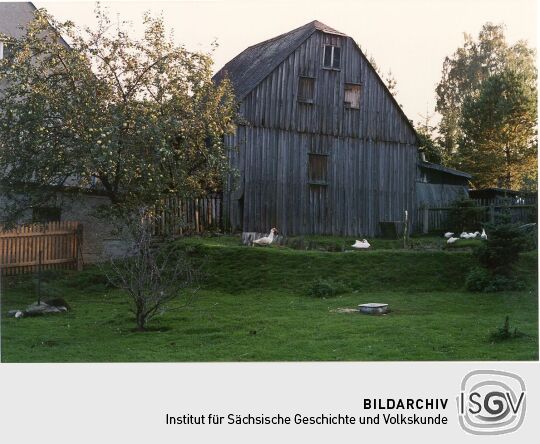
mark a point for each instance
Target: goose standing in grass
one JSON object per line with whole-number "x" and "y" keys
{"x": 452, "y": 240}
{"x": 361, "y": 244}
{"x": 267, "y": 240}
{"x": 448, "y": 235}
{"x": 483, "y": 236}
{"x": 464, "y": 235}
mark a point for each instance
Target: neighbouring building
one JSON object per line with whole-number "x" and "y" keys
{"x": 439, "y": 186}
{"x": 71, "y": 204}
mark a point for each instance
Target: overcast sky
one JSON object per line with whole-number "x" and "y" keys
{"x": 410, "y": 37}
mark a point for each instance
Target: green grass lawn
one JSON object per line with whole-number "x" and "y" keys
{"x": 252, "y": 306}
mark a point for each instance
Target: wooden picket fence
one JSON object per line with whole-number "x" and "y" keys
{"x": 182, "y": 216}
{"x": 436, "y": 219}
{"x": 29, "y": 248}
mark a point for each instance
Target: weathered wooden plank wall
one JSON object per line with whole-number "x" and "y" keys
{"x": 372, "y": 152}
{"x": 368, "y": 182}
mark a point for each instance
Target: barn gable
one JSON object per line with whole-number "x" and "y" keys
{"x": 268, "y": 72}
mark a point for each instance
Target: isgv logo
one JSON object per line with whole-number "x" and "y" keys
{"x": 491, "y": 402}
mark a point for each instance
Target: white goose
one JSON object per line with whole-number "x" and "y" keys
{"x": 452, "y": 240}
{"x": 361, "y": 244}
{"x": 448, "y": 235}
{"x": 483, "y": 235}
{"x": 263, "y": 241}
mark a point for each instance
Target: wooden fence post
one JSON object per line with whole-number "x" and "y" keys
{"x": 78, "y": 253}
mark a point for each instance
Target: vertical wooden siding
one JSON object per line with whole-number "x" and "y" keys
{"x": 368, "y": 182}
{"x": 274, "y": 102}
{"x": 372, "y": 152}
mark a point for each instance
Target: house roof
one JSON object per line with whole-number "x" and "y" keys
{"x": 13, "y": 15}
{"x": 254, "y": 64}
{"x": 443, "y": 169}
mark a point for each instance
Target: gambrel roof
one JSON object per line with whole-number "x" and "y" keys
{"x": 254, "y": 64}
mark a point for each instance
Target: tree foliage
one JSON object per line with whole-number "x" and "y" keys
{"x": 484, "y": 98}
{"x": 137, "y": 118}
{"x": 499, "y": 141}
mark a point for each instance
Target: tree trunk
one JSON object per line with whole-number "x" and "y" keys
{"x": 508, "y": 174}
{"x": 141, "y": 322}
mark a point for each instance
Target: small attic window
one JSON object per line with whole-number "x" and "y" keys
{"x": 306, "y": 89}
{"x": 352, "y": 95}
{"x": 332, "y": 57}
{"x": 5, "y": 51}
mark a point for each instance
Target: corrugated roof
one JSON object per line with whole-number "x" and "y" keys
{"x": 436, "y": 166}
{"x": 252, "y": 65}
{"x": 13, "y": 15}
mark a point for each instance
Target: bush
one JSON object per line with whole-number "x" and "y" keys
{"x": 501, "y": 251}
{"x": 325, "y": 288}
{"x": 505, "y": 332}
{"x": 482, "y": 280}
{"x": 478, "y": 279}
{"x": 464, "y": 215}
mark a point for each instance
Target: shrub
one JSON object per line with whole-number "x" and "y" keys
{"x": 482, "y": 280}
{"x": 325, "y": 288}
{"x": 478, "y": 279}
{"x": 505, "y": 332}
{"x": 464, "y": 215}
{"x": 501, "y": 251}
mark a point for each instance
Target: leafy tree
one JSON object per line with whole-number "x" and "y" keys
{"x": 463, "y": 77}
{"x": 138, "y": 118}
{"x": 499, "y": 141}
{"x": 152, "y": 277}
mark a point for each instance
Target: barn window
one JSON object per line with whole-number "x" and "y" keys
{"x": 332, "y": 57}
{"x": 318, "y": 169}
{"x": 306, "y": 89}
{"x": 6, "y": 51}
{"x": 352, "y": 95}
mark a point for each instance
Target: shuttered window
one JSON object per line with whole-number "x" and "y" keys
{"x": 352, "y": 95}
{"x": 306, "y": 89}
{"x": 318, "y": 169}
{"x": 332, "y": 57}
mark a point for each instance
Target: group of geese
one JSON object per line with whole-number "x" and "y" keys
{"x": 363, "y": 244}
{"x": 267, "y": 240}
{"x": 465, "y": 235}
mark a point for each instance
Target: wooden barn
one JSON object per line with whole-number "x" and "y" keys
{"x": 324, "y": 148}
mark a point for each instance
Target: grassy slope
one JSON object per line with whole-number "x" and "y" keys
{"x": 252, "y": 307}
